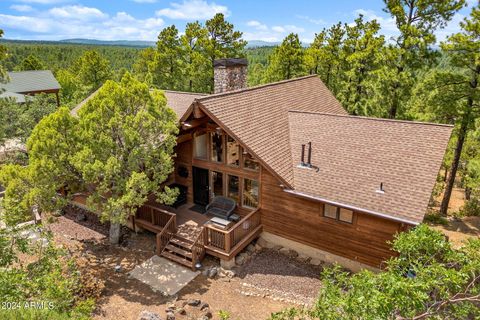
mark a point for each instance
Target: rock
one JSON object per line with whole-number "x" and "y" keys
{"x": 251, "y": 248}
{"x": 170, "y": 307}
{"x": 315, "y": 261}
{"x": 206, "y": 272}
{"x": 80, "y": 217}
{"x": 262, "y": 243}
{"x": 181, "y": 311}
{"x": 212, "y": 273}
{"x": 183, "y": 303}
{"x": 194, "y": 302}
{"x": 292, "y": 253}
{"x": 170, "y": 316}
{"x": 204, "y": 306}
{"x": 147, "y": 315}
{"x": 303, "y": 258}
{"x": 277, "y": 248}
{"x": 208, "y": 314}
{"x": 240, "y": 259}
{"x": 227, "y": 273}
{"x": 258, "y": 247}
{"x": 118, "y": 268}
{"x": 284, "y": 251}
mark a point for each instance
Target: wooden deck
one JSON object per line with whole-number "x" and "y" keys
{"x": 191, "y": 231}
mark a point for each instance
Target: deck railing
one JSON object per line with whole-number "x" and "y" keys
{"x": 228, "y": 242}
{"x": 198, "y": 248}
{"x": 153, "y": 215}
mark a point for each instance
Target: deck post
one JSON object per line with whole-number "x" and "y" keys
{"x": 151, "y": 215}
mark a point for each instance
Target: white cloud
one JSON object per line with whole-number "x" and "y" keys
{"x": 193, "y": 9}
{"x": 288, "y": 28}
{"x": 44, "y": 1}
{"x": 257, "y": 25}
{"x": 77, "y": 12}
{"x": 311, "y": 20}
{"x": 21, "y": 7}
{"x": 83, "y": 22}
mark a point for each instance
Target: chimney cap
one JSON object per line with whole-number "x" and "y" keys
{"x": 230, "y": 62}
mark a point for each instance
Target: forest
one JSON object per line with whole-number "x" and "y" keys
{"x": 410, "y": 76}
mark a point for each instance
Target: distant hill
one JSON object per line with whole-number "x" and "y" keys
{"x": 126, "y": 43}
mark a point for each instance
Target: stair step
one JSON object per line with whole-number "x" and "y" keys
{"x": 177, "y": 259}
{"x": 179, "y": 251}
{"x": 181, "y": 242}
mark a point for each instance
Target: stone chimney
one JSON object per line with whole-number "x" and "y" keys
{"x": 229, "y": 74}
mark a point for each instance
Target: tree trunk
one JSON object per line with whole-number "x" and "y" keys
{"x": 114, "y": 235}
{"x": 468, "y": 193}
{"x": 462, "y": 133}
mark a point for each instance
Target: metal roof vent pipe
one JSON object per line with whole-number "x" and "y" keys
{"x": 381, "y": 190}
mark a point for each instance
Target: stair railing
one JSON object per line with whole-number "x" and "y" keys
{"x": 164, "y": 236}
{"x": 198, "y": 248}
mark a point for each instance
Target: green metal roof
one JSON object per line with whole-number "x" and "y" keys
{"x": 30, "y": 81}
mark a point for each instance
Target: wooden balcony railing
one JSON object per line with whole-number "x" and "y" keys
{"x": 153, "y": 218}
{"x": 229, "y": 242}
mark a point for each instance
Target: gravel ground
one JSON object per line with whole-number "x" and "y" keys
{"x": 70, "y": 226}
{"x": 270, "y": 273}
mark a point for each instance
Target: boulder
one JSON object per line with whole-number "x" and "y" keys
{"x": 262, "y": 243}
{"x": 284, "y": 251}
{"x": 315, "y": 261}
{"x": 240, "y": 259}
{"x": 147, "y": 315}
{"x": 303, "y": 258}
{"x": 194, "y": 302}
{"x": 251, "y": 248}
{"x": 258, "y": 247}
{"x": 208, "y": 314}
{"x": 212, "y": 272}
{"x": 181, "y": 311}
{"x": 204, "y": 306}
{"x": 170, "y": 316}
{"x": 292, "y": 253}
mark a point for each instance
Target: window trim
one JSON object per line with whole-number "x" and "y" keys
{"x": 337, "y": 214}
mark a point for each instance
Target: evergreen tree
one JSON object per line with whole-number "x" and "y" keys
{"x": 3, "y": 55}
{"x": 197, "y": 64}
{"x": 416, "y": 20}
{"x": 31, "y": 63}
{"x": 453, "y": 95}
{"x": 287, "y": 61}
{"x": 167, "y": 72}
{"x": 92, "y": 70}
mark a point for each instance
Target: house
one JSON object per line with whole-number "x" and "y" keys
{"x": 29, "y": 83}
{"x": 304, "y": 173}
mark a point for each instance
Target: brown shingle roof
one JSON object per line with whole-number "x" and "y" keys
{"x": 258, "y": 116}
{"x": 180, "y": 101}
{"x": 356, "y": 154}
{"x": 177, "y": 100}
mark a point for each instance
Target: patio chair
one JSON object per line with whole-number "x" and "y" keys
{"x": 221, "y": 207}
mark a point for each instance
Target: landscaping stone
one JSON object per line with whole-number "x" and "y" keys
{"x": 194, "y": 302}
{"x": 262, "y": 243}
{"x": 170, "y": 316}
{"x": 204, "y": 306}
{"x": 240, "y": 260}
{"x": 147, "y": 315}
{"x": 251, "y": 248}
{"x": 212, "y": 272}
{"x": 303, "y": 258}
{"x": 208, "y": 314}
{"x": 284, "y": 251}
{"x": 258, "y": 247}
{"x": 181, "y": 311}
{"x": 292, "y": 253}
{"x": 277, "y": 247}
{"x": 315, "y": 261}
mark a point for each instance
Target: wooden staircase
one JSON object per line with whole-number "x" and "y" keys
{"x": 180, "y": 250}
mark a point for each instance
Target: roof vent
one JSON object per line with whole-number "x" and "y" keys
{"x": 307, "y": 164}
{"x": 380, "y": 190}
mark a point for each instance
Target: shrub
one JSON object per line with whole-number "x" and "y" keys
{"x": 427, "y": 280}
{"x": 471, "y": 207}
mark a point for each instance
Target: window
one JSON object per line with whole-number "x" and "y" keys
{"x": 336, "y": 213}
{"x": 217, "y": 183}
{"x": 249, "y": 162}
{"x": 233, "y": 152}
{"x": 250, "y": 193}
{"x": 232, "y": 188}
{"x": 216, "y": 142}
{"x": 330, "y": 211}
{"x": 201, "y": 146}
{"x": 345, "y": 215}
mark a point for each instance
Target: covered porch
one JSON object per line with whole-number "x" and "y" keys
{"x": 185, "y": 236}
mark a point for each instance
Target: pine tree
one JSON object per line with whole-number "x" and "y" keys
{"x": 167, "y": 65}
{"x": 31, "y": 63}
{"x": 92, "y": 70}
{"x": 287, "y": 61}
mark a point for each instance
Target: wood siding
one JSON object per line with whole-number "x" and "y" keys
{"x": 301, "y": 220}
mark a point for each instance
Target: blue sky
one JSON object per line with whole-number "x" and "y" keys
{"x": 143, "y": 19}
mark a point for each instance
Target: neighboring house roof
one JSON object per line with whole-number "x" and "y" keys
{"x": 258, "y": 116}
{"x": 31, "y": 82}
{"x": 355, "y": 154}
{"x": 19, "y": 98}
{"x": 177, "y": 100}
